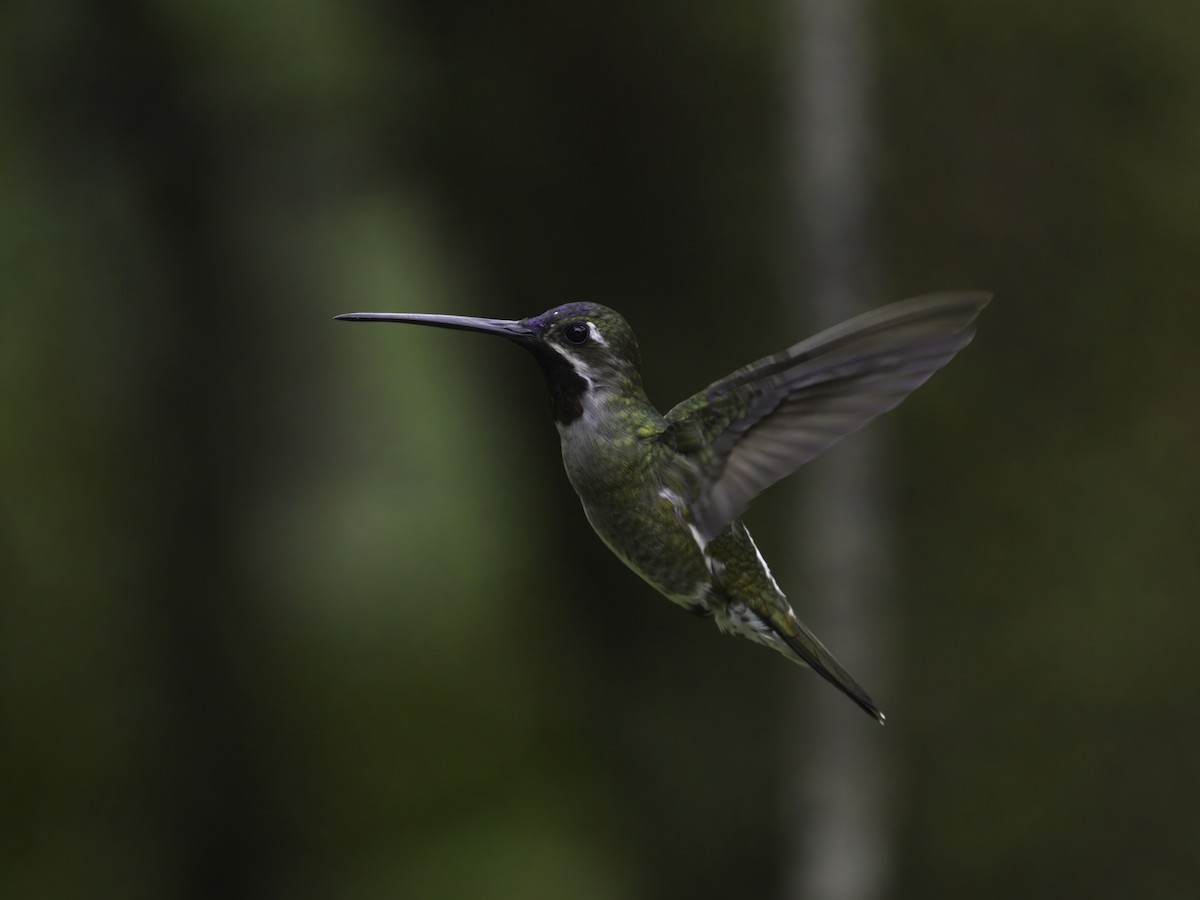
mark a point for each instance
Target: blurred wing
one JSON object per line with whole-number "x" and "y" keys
{"x": 745, "y": 432}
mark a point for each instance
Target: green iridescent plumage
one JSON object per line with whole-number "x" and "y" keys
{"x": 665, "y": 493}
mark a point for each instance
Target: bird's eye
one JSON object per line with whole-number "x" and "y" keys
{"x": 577, "y": 333}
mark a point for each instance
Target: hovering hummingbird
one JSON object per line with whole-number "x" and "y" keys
{"x": 666, "y": 493}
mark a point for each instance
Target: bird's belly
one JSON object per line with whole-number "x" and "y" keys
{"x": 659, "y": 547}
{"x": 617, "y": 480}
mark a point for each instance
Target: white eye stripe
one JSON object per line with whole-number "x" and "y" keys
{"x": 596, "y": 335}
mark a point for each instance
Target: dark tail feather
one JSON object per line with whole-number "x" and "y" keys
{"x": 814, "y": 655}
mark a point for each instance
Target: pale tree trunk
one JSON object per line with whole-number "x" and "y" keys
{"x": 838, "y": 821}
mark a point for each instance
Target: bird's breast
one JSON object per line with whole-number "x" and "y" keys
{"x": 618, "y": 482}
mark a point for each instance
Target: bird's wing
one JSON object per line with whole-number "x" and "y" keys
{"x": 745, "y": 432}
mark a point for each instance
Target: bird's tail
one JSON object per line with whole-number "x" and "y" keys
{"x": 812, "y": 653}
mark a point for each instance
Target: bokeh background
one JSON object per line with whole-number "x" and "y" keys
{"x": 292, "y": 608}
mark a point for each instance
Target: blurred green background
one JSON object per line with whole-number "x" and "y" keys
{"x": 292, "y": 608}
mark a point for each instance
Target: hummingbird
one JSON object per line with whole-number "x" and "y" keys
{"x": 666, "y": 492}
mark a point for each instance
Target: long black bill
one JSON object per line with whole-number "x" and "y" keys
{"x": 509, "y": 328}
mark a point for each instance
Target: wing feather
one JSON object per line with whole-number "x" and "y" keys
{"x": 744, "y": 432}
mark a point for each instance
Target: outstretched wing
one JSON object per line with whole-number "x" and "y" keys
{"x": 745, "y": 432}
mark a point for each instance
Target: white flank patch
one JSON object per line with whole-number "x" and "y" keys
{"x": 762, "y": 562}
{"x": 676, "y": 501}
